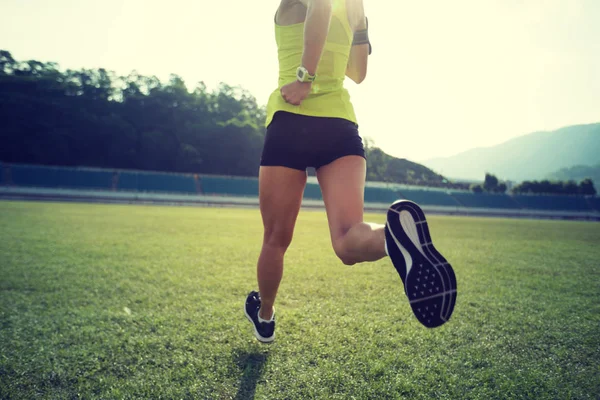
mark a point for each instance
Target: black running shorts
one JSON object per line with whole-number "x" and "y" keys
{"x": 300, "y": 141}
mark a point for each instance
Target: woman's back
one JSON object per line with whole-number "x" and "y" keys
{"x": 327, "y": 98}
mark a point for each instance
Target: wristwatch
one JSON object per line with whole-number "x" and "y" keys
{"x": 303, "y": 76}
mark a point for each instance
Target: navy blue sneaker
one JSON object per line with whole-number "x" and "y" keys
{"x": 429, "y": 280}
{"x": 263, "y": 330}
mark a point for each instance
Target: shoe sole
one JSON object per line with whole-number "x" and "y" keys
{"x": 430, "y": 282}
{"x": 258, "y": 336}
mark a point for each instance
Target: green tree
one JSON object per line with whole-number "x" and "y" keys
{"x": 476, "y": 188}
{"x": 570, "y": 187}
{"x": 586, "y": 187}
{"x": 501, "y": 188}
{"x": 490, "y": 183}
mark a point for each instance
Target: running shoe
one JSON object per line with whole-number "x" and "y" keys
{"x": 263, "y": 330}
{"x": 429, "y": 280}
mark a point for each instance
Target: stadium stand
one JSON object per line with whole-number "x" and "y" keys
{"x": 380, "y": 195}
{"x": 229, "y": 186}
{"x": 485, "y": 200}
{"x": 550, "y": 203}
{"x": 156, "y": 182}
{"x": 429, "y": 197}
{"x": 313, "y": 191}
{"x": 30, "y": 175}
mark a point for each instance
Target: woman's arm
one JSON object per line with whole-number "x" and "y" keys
{"x": 316, "y": 28}
{"x": 359, "y": 54}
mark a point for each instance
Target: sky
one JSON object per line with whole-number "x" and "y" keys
{"x": 444, "y": 76}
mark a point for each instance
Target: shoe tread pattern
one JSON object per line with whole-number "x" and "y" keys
{"x": 431, "y": 283}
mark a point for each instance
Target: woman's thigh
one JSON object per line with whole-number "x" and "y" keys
{"x": 280, "y": 194}
{"x": 343, "y": 184}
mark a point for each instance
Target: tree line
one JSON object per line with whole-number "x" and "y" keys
{"x": 92, "y": 117}
{"x": 96, "y": 118}
{"x": 585, "y": 187}
{"x": 491, "y": 184}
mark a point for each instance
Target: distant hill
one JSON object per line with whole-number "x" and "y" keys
{"x": 533, "y": 156}
{"x": 384, "y": 169}
{"x": 577, "y": 174}
{"x": 381, "y": 167}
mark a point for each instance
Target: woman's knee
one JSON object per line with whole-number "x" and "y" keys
{"x": 343, "y": 253}
{"x": 278, "y": 238}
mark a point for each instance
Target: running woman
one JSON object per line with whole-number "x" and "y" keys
{"x": 311, "y": 123}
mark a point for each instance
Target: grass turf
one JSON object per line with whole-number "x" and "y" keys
{"x": 106, "y": 301}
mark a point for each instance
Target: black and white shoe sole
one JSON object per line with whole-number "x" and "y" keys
{"x": 258, "y": 336}
{"x": 429, "y": 280}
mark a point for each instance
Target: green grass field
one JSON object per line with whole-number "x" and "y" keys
{"x": 120, "y": 302}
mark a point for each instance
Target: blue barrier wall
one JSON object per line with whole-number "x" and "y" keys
{"x": 313, "y": 191}
{"x": 229, "y": 186}
{"x": 156, "y": 182}
{"x": 595, "y": 203}
{"x": 550, "y": 203}
{"x": 485, "y": 200}
{"x": 429, "y": 197}
{"x": 38, "y": 176}
{"x": 140, "y": 181}
{"x": 380, "y": 195}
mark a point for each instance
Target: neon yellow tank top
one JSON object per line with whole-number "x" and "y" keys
{"x": 328, "y": 97}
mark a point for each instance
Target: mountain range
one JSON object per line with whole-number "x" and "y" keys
{"x": 535, "y": 156}
{"x": 578, "y": 173}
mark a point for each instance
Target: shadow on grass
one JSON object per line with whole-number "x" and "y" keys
{"x": 252, "y": 365}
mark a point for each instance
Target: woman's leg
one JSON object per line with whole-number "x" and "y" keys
{"x": 421, "y": 267}
{"x": 343, "y": 183}
{"x": 280, "y": 194}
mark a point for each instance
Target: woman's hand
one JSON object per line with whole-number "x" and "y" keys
{"x": 295, "y": 92}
